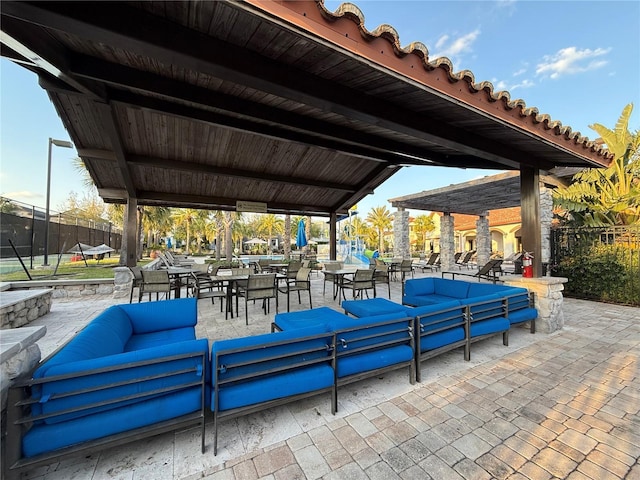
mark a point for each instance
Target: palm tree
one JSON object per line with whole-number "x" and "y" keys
{"x": 156, "y": 220}
{"x": 607, "y": 196}
{"x": 423, "y": 224}
{"x": 185, "y": 217}
{"x": 213, "y": 227}
{"x": 381, "y": 219}
{"x": 270, "y": 224}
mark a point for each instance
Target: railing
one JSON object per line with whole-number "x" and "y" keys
{"x": 601, "y": 263}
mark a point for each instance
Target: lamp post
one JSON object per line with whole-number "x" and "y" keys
{"x": 57, "y": 143}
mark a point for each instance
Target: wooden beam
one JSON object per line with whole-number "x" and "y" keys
{"x": 110, "y": 125}
{"x": 121, "y": 76}
{"x": 40, "y": 52}
{"x": 173, "y": 44}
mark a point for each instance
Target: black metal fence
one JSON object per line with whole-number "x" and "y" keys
{"x": 600, "y": 263}
{"x": 24, "y": 226}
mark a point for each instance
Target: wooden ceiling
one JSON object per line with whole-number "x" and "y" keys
{"x": 203, "y": 104}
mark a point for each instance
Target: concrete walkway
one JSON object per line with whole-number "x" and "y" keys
{"x": 561, "y": 405}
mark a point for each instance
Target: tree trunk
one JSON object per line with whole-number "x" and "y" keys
{"x": 228, "y": 236}
{"x": 287, "y": 236}
{"x": 140, "y": 235}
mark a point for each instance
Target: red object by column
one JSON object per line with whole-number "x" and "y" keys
{"x": 527, "y": 265}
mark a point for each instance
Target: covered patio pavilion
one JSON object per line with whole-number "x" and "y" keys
{"x": 478, "y": 197}
{"x": 286, "y": 105}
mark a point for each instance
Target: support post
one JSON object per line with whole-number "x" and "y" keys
{"x": 447, "y": 241}
{"x": 530, "y": 215}
{"x": 483, "y": 239}
{"x": 129, "y": 243}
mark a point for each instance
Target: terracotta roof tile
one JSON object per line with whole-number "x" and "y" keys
{"x": 390, "y": 34}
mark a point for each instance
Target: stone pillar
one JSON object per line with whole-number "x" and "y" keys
{"x": 483, "y": 239}
{"x": 546, "y": 217}
{"x": 548, "y": 299}
{"x": 447, "y": 241}
{"x": 401, "y": 245}
{"x": 122, "y": 280}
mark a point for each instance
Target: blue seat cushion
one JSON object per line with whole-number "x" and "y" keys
{"x": 161, "y": 338}
{"x": 42, "y": 438}
{"x": 354, "y": 364}
{"x": 272, "y": 387}
{"x": 371, "y": 307}
{"x": 523, "y": 315}
{"x": 484, "y": 327}
{"x": 316, "y": 317}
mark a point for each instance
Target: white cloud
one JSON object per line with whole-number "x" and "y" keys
{"x": 23, "y": 194}
{"x": 499, "y": 85}
{"x": 571, "y": 60}
{"x": 519, "y": 72}
{"x": 447, "y": 47}
{"x": 526, "y": 83}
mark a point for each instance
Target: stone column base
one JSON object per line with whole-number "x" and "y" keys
{"x": 548, "y": 299}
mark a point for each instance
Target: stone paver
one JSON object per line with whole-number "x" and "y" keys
{"x": 560, "y": 405}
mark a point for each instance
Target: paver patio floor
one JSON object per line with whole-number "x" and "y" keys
{"x": 560, "y": 405}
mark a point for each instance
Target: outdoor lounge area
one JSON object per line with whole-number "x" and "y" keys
{"x": 548, "y": 404}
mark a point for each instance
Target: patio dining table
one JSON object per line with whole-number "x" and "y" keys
{"x": 179, "y": 274}
{"x": 228, "y": 281}
{"x": 338, "y": 281}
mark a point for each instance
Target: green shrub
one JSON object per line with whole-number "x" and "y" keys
{"x": 609, "y": 273}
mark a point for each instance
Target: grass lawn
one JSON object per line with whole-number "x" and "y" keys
{"x": 70, "y": 270}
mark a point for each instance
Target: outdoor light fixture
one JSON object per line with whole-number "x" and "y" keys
{"x": 57, "y": 143}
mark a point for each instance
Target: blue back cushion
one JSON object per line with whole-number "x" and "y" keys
{"x": 419, "y": 286}
{"x": 106, "y": 335}
{"x": 149, "y": 317}
{"x": 236, "y": 358}
{"x": 451, "y": 288}
{"x": 51, "y": 405}
{"x": 265, "y": 367}
{"x": 436, "y": 317}
{"x": 481, "y": 289}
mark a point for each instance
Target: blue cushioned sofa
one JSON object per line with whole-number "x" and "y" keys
{"x": 253, "y": 373}
{"x": 453, "y": 313}
{"x": 365, "y": 346}
{"x": 135, "y": 370}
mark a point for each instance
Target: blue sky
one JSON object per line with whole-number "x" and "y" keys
{"x": 578, "y": 61}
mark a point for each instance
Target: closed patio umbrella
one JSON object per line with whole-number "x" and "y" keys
{"x": 301, "y": 237}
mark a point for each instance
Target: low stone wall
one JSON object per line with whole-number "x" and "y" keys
{"x": 19, "y": 307}
{"x": 548, "y": 299}
{"x": 66, "y": 288}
